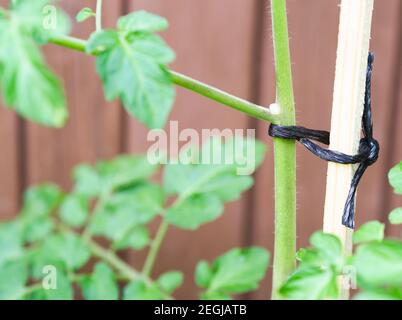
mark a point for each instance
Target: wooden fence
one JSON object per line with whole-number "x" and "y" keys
{"x": 226, "y": 43}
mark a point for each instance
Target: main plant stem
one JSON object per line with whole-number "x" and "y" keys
{"x": 285, "y": 154}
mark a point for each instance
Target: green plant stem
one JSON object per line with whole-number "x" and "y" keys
{"x": 28, "y": 290}
{"x": 222, "y": 97}
{"x": 160, "y": 235}
{"x": 253, "y": 110}
{"x": 154, "y": 249}
{"x": 124, "y": 269}
{"x": 285, "y": 155}
{"x": 39, "y": 285}
{"x": 108, "y": 256}
{"x": 98, "y": 207}
{"x": 69, "y": 42}
{"x": 99, "y": 15}
{"x": 113, "y": 260}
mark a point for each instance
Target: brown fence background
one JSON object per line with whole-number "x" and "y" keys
{"x": 226, "y": 43}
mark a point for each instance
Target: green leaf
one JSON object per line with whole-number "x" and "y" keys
{"x": 125, "y": 170}
{"x": 237, "y": 271}
{"x": 101, "y": 285}
{"x": 195, "y": 211}
{"x": 74, "y": 210}
{"x": 203, "y": 274}
{"x": 43, "y": 103}
{"x": 11, "y": 241}
{"x": 37, "y": 229}
{"x": 137, "y": 238}
{"x": 170, "y": 281}
{"x": 102, "y": 41}
{"x": 380, "y": 294}
{"x": 395, "y": 217}
{"x": 62, "y": 291}
{"x": 310, "y": 283}
{"x": 66, "y": 248}
{"x": 139, "y": 290}
{"x": 40, "y": 258}
{"x": 222, "y": 182}
{"x": 132, "y": 65}
{"x": 126, "y": 210}
{"x": 379, "y": 263}
{"x": 395, "y": 178}
{"x": 108, "y": 176}
{"x": 329, "y": 245}
{"x": 42, "y": 200}
{"x": 215, "y": 296}
{"x": 39, "y": 202}
{"x": 370, "y": 231}
{"x": 41, "y": 19}
{"x": 84, "y": 14}
{"x": 315, "y": 277}
{"x": 21, "y": 65}
{"x": 217, "y": 168}
{"x": 13, "y": 276}
{"x": 87, "y": 181}
{"x": 142, "y": 21}
{"x": 326, "y": 251}
{"x": 310, "y": 257}
{"x": 204, "y": 188}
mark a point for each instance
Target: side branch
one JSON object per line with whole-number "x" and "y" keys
{"x": 253, "y": 110}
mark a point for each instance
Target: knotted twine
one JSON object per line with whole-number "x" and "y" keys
{"x": 367, "y": 152}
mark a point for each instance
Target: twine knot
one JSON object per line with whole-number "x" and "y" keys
{"x": 369, "y": 148}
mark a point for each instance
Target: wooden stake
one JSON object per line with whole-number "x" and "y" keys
{"x": 347, "y": 109}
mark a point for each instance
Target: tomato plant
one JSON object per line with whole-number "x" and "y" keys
{"x": 115, "y": 200}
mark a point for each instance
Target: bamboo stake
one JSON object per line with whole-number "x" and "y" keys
{"x": 347, "y": 109}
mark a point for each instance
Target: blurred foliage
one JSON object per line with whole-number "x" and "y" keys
{"x": 131, "y": 61}
{"x": 26, "y": 83}
{"x": 375, "y": 266}
{"x": 115, "y": 201}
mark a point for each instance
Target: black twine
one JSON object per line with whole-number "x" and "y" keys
{"x": 366, "y": 156}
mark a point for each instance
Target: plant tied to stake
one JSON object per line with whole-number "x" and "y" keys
{"x": 117, "y": 199}
{"x": 368, "y": 147}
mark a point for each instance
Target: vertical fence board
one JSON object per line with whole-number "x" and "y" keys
{"x": 393, "y": 154}
{"x": 384, "y": 33}
{"x": 9, "y": 164}
{"x": 10, "y": 143}
{"x": 392, "y": 200}
{"x": 213, "y": 42}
